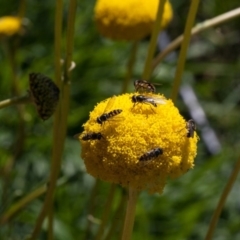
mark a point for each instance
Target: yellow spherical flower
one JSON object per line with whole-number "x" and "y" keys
{"x": 10, "y": 25}
{"x": 141, "y": 145}
{"x": 129, "y": 20}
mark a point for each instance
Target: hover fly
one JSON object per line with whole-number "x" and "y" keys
{"x": 191, "y": 128}
{"x": 144, "y": 85}
{"x": 105, "y": 116}
{"x": 151, "y": 154}
{"x": 91, "y": 136}
{"x": 153, "y": 100}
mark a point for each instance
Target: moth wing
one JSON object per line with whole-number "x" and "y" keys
{"x": 44, "y": 93}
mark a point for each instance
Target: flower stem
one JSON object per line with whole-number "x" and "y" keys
{"x": 60, "y": 117}
{"x": 22, "y": 203}
{"x": 197, "y": 29}
{"x": 6, "y": 217}
{"x": 50, "y": 224}
{"x": 152, "y": 46}
{"x": 91, "y": 204}
{"x": 130, "y": 214}
{"x": 130, "y": 66}
{"x": 22, "y": 8}
{"x": 118, "y": 217}
{"x": 11, "y": 49}
{"x": 106, "y": 212}
{"x": 222, "y": 200}
{"x": 183, "y": 52}
{"x": 15, "y": 100}
{"x": 70, "y": 40}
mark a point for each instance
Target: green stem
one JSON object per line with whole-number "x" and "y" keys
{"x": 60, "y": 118}
{"x": 183, "y": 52}
{"x": 50, "y": 224}
{"x": 130, "y": 66}
{"x": 156, "y": 28}
{"x": 70, "y": 40}
{"x": 117, "y": 218}
{"x": 21, "y": 204}
{"x": 130, "y": 214}
{"x": 18, "y": 145}
{"x": 91, "y": 204}
{"x": 222, "y": 200}
{"x": 106, "y": 212}
{"x": 197, "y": 29}
{"x": 14, "y": 101}
{"x": 22, "y": 8}
{"x": 57, "y": 41}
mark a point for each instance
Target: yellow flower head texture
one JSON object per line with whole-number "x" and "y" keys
{"x": 129, "y": 20}
{"x": 10, "y": 25}
{"x": 138, "y": 143}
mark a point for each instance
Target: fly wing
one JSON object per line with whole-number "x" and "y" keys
{"x": 77, "y": 136}
{"x": 110, "y": 104}
{"x": 158, "y": 99}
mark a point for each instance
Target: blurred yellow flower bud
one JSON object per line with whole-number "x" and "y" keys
{"x": 10, "y": 25}
{"x": 129, "y": 20}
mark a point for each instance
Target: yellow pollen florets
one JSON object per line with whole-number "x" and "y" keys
{"x": 10, "y": 25}
{"x": 125, "y": 153}
{"x": 129, "y": 20}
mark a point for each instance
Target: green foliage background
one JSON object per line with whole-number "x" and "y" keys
{"x": 185, "y": 208}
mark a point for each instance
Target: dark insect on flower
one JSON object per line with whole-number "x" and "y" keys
{"x": 151, "y": 154}
{"x": 90, "y": 136}
{"x": 148, "y": 100}
{"x": 44, "y": 93}
{"x": 191, "y": 128}
{"x": 144, "y": 85}
{"x": 105, "y": 116}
